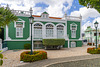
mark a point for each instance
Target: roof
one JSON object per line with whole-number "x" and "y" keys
{"x": 49, "y": 17}
{"x": 45, "y": 12}
{"x": 88, "y": 29}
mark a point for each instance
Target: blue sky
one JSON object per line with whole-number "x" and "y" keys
{"x": 56, "y": 8}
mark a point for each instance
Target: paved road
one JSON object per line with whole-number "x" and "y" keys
{"x": 76, "y": 61}
{"x": 80, "y": 63}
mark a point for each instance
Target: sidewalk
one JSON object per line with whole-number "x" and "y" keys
{"x": 44, "y": 63}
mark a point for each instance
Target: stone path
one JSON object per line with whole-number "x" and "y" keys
{"x": 45, "y": 63}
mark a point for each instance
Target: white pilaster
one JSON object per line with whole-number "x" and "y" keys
{"x": 80, "y": 28}
{"x": 29, "y": 38}
{"x": 44, "y": 31}
{"x": 55, "y": 32}
{"x": 7, "y": 37}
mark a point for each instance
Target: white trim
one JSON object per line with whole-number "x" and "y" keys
{"x": 37, "y": 22}
{"x": 19, "y": 33}
{"x": 54, "y": 30}
{"x": 0, "y": 43}
{"x": 22, "y": 21}
{"x": 63, "y": 29}
{"x": 29, "y": 38}
{"x": 33, "y": 28}
{"x": 18, "y": 40}
{"x": 80, "y": 31}
{"x": 60, "y": 24}
{"x": 7, "y": 37}
{"x": 48, "y": 20}
{"x": 66, "y": 36}
{"x": 73, "y": 24}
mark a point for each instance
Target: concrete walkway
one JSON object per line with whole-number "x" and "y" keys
{"x": 45, "y": 63}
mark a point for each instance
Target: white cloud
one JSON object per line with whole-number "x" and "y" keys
{"x": 98, "y": 20}
{"x": 84, "y": 27}
{"x": 86, "y": 13}
{"x": 54, "y": 8}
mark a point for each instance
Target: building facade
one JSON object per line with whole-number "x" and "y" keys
{"x": 90, "y": 35}
{"x": 18, "y": 33}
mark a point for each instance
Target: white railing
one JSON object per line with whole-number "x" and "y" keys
{"x": 0, "y": 43}
{"x": 74, "y": 18}
{"x": 20, "y": 12}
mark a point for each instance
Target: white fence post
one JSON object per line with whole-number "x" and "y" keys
{"x": 0, "y": 43}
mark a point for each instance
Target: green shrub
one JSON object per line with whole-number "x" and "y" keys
{"x": 37, "y": 55}
{"x": 93, "y": 50}
{"x": 99, "y": 45}
{"x": 53, "y": 42}
{"x": 1, "y": 57}
{"x": 27, "y": 46}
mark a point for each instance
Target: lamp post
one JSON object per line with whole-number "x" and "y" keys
{"x": 31, "y": 20}
{"x": 96, "y": 25}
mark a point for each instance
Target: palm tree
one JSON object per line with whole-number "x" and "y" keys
{"x": 6, "y": 16}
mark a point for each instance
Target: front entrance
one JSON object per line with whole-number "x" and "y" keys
{"x": 73, "y": 44}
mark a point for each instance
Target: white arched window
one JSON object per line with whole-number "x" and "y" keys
{"x": 37, "y": 30}
{"x": 49, "y": 30}
{"x": 60, "y": 31}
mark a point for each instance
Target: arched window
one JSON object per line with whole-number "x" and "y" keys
{"x": 49, "y": 30}
{"x": 37, "y": 31}
{"x": 60, "y": 31}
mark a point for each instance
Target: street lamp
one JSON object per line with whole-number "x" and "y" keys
{"x": 96, "y": 25}
{"x": 31, "y": 20}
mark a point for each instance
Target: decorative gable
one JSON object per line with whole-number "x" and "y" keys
{"x": 19, "y": 21}
{"x": 45, "y": 15}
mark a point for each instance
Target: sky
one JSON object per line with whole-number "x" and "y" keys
{"x": 57, "y": 8}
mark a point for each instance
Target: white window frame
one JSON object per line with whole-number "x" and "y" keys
{"x": 37, "y": 29}
{"x": 20, "y": 36}
{"x": 73, "y": 31}
{"x": 52, "y": 35}
{"x": 21, "y": 21}
{"x": 62, "y": 30}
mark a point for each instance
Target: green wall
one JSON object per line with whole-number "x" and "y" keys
{"x": 16, "y": 44}
{"x": 78, "y": 43}
{"x": 69, "y": 31}
{"x": 66, "y": 44}
{"x": 12, "y": 29}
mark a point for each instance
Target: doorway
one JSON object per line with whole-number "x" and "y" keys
{"x": 73, "y": 44}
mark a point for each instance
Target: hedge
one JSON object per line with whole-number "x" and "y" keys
{"x": 53, "y": 42}
{"x": 37, "y": 55}
{"x": 93, "y": 50}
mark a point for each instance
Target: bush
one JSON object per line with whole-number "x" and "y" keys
{"x": 93, "y": 50}
{"x": 27, "y": 46}
{"x": 37, "y": 55}
{"x": 53, "y": 42}
{"x": 99, "y": 45}
{"x": 90, "y": 44}
{"x": 1, "y": 57}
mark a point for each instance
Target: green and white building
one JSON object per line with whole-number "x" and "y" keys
{"x": 18, "y": 33}
{"x": 90, "y": 35}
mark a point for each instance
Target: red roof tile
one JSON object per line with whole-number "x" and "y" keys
{"x": 49, "y": 17}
